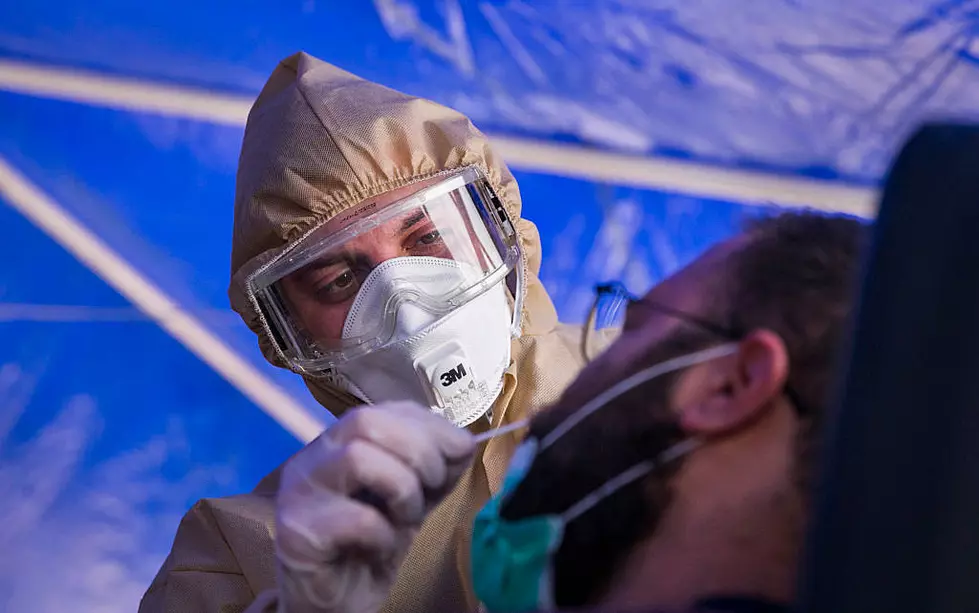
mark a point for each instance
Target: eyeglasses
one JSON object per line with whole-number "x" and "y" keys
{"x": 607, "y": 316}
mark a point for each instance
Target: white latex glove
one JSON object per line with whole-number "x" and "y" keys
{"x": 338, "y": 549}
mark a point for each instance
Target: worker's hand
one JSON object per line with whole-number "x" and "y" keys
{"x": 351, "y": 502}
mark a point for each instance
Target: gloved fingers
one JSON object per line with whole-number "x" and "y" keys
{"x": 397, "y": 434}
{"x": 420, "y": 439}
{"x": 334, "y": 532}
{"x": 453, "y": 441}
{"x": 346, "y": 582}
{"x": 356, "y": 590}
{"x": 358, "y": 465}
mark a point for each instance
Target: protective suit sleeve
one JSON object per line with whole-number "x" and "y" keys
{"x": 203, "y": 574}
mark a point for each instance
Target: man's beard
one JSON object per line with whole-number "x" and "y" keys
{"x": 635, "y": 427}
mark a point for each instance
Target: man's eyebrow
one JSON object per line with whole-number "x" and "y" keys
{"x": 330, "y": 259}
{"x": 413, "y": 220}
{"x": 322, "y": 262}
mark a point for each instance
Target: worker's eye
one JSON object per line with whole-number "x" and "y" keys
{"x": 337, "y": 285}
{"x": 431, "y": 238}
{"x": 428, "y": 241}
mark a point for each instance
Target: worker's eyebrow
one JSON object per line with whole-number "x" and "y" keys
{"x": 329, "y": 259}
{"x": 320, "y": 263}
{"x": 413, "y": 220}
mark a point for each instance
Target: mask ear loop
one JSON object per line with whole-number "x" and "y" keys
{"x": 638, "y": 471}
{"x": 614, "y": 392}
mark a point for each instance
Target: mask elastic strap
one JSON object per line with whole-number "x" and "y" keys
{"x": 627, "y": 384}
{"x": 626, "y": 477}
{"x": 614, "y": 392}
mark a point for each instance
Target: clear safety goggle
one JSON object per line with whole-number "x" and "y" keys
{"x": 305, "y": 295}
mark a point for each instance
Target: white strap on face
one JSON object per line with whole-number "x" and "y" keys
{"x": 648, "y": 374}
{"x": 628, "y": 476}
{"x": 643, "y": 376}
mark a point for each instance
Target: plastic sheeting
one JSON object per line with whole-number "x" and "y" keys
{"x": 826, "y": 87}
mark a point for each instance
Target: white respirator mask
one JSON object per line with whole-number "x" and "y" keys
{"x": 403, "y": 301}
{"x": 453, "y": 363}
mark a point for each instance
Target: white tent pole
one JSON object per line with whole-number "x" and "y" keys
{"x": 90, "y": 250}
{"x": 680, "y": 177}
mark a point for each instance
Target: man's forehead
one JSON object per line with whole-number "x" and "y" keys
{"x": 685, "y": 289}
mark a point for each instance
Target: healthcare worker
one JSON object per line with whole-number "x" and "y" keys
{"x": 378, "y": 251}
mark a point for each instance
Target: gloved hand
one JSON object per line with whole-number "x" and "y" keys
{"x": 351, "y": 502}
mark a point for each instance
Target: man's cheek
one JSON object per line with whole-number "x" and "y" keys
{"x": 601, "y": 374}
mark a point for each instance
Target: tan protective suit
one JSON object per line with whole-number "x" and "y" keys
{"x": 319, "y": 140}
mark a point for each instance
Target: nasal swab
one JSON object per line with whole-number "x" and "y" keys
{"x": 485, "y": 436}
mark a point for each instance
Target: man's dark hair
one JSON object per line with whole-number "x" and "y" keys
{"x": 794, "y": 274}
{"x": 798, "y": 277}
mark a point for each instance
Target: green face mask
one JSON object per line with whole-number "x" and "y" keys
{"x": 522, "y": 582}
{"x": 512, "y": 561}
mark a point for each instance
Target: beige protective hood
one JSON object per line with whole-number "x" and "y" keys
{"x": 320, "y": 140}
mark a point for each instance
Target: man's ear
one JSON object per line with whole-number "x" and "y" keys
{"x": 725, "y": 394}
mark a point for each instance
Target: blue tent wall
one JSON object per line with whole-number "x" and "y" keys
{"x": 809, "y": 86}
